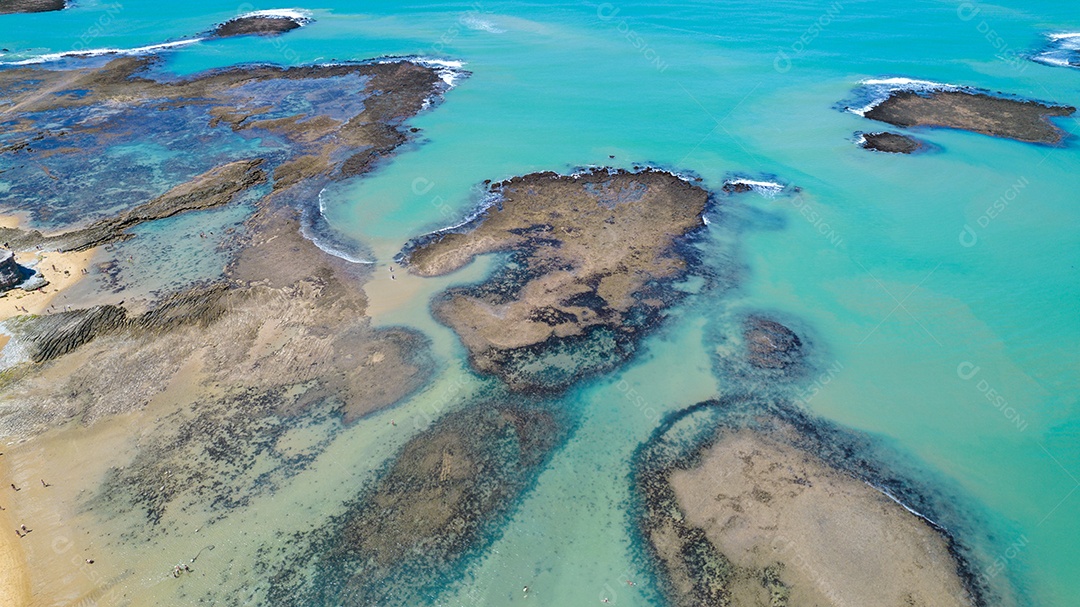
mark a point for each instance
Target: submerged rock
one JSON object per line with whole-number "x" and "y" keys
{"x": 588, "y": 256}
{"x": 440, "y": 502}
{"x": 771, "y": 345}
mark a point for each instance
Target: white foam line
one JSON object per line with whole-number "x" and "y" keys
{"x": 891, "y": 85}
{"x": 486, "y": 203}
{"x": 1051, "y": 60}
{"x": 96, "y": 52}
{"x": 906, "y": 507}
{"x": 295, "y": 14}
{"x": 1064, "y": 36}
{"x": 767, "y": 189}
{"x": 907, "y": 83}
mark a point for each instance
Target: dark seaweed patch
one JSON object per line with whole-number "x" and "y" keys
{"x": 438, "y": 504}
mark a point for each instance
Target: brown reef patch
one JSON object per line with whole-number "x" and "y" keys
{"x": 892, "y": 143}
{"x": 1027, "y": 121}
{"x": 586, "y": 255}
{"x": 260, "y": 25}
{"x": 8, "y": 7}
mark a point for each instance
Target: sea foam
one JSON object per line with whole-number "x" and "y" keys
{"x": 873, "y": 91}
{"x": 1063, "y": 50}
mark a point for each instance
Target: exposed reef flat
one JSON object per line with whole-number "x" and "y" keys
{"x": 748, "y": 517}
{"x": 893, "y": 143}
{"x": 240, "y": 382}
{"x": 8, "y": 7}
{"x": 587, "y": 258}
{"x": 978, "y": 112}
{"x": 318, "y": 122}
{"x": 439, "y": 502}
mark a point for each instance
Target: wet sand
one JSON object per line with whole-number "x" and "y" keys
{"x": 14, "y": 578}
{"x": 814, "y": 535}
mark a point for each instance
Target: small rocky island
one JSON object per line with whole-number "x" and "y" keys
{"x": 892, "y": 143}
{"x": 978, "y": 112}
{"x": 268, "y": 24}
{"x": 8, "y": 7}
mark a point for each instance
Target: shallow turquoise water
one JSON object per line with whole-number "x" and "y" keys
{"x": 871, "y": 254}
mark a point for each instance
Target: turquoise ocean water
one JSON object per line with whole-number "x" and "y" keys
{"x": 943, "y": 330}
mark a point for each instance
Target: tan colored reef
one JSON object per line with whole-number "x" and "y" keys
{"x": 977, "y": 112}
{"x": 760, "y": 522}
{"x": 584, "y": 251}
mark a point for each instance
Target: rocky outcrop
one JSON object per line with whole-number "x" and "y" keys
{"x": 263, "y": 25}
{"x": 893, "y": 143}
{"x": 10, "y": 273}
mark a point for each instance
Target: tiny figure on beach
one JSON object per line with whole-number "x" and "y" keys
{"x": 393, "y": 423}
{"x": 89, "y": 561}
{"x": 604, "y": 600}
{"x": 392, "y": 277}
{"x": 525, "y": 591}
{"x": 14, "y": 487}
{"x": 630, "y": 583}
{"x": 19, "y": 533}
{"x": 44, "y": 484}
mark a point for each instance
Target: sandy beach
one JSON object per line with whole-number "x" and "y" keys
{"x": 68, "y": 271}
{"x": 14, "y": 579}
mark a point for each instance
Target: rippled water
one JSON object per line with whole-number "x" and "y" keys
{"x": 939, "y": 290}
